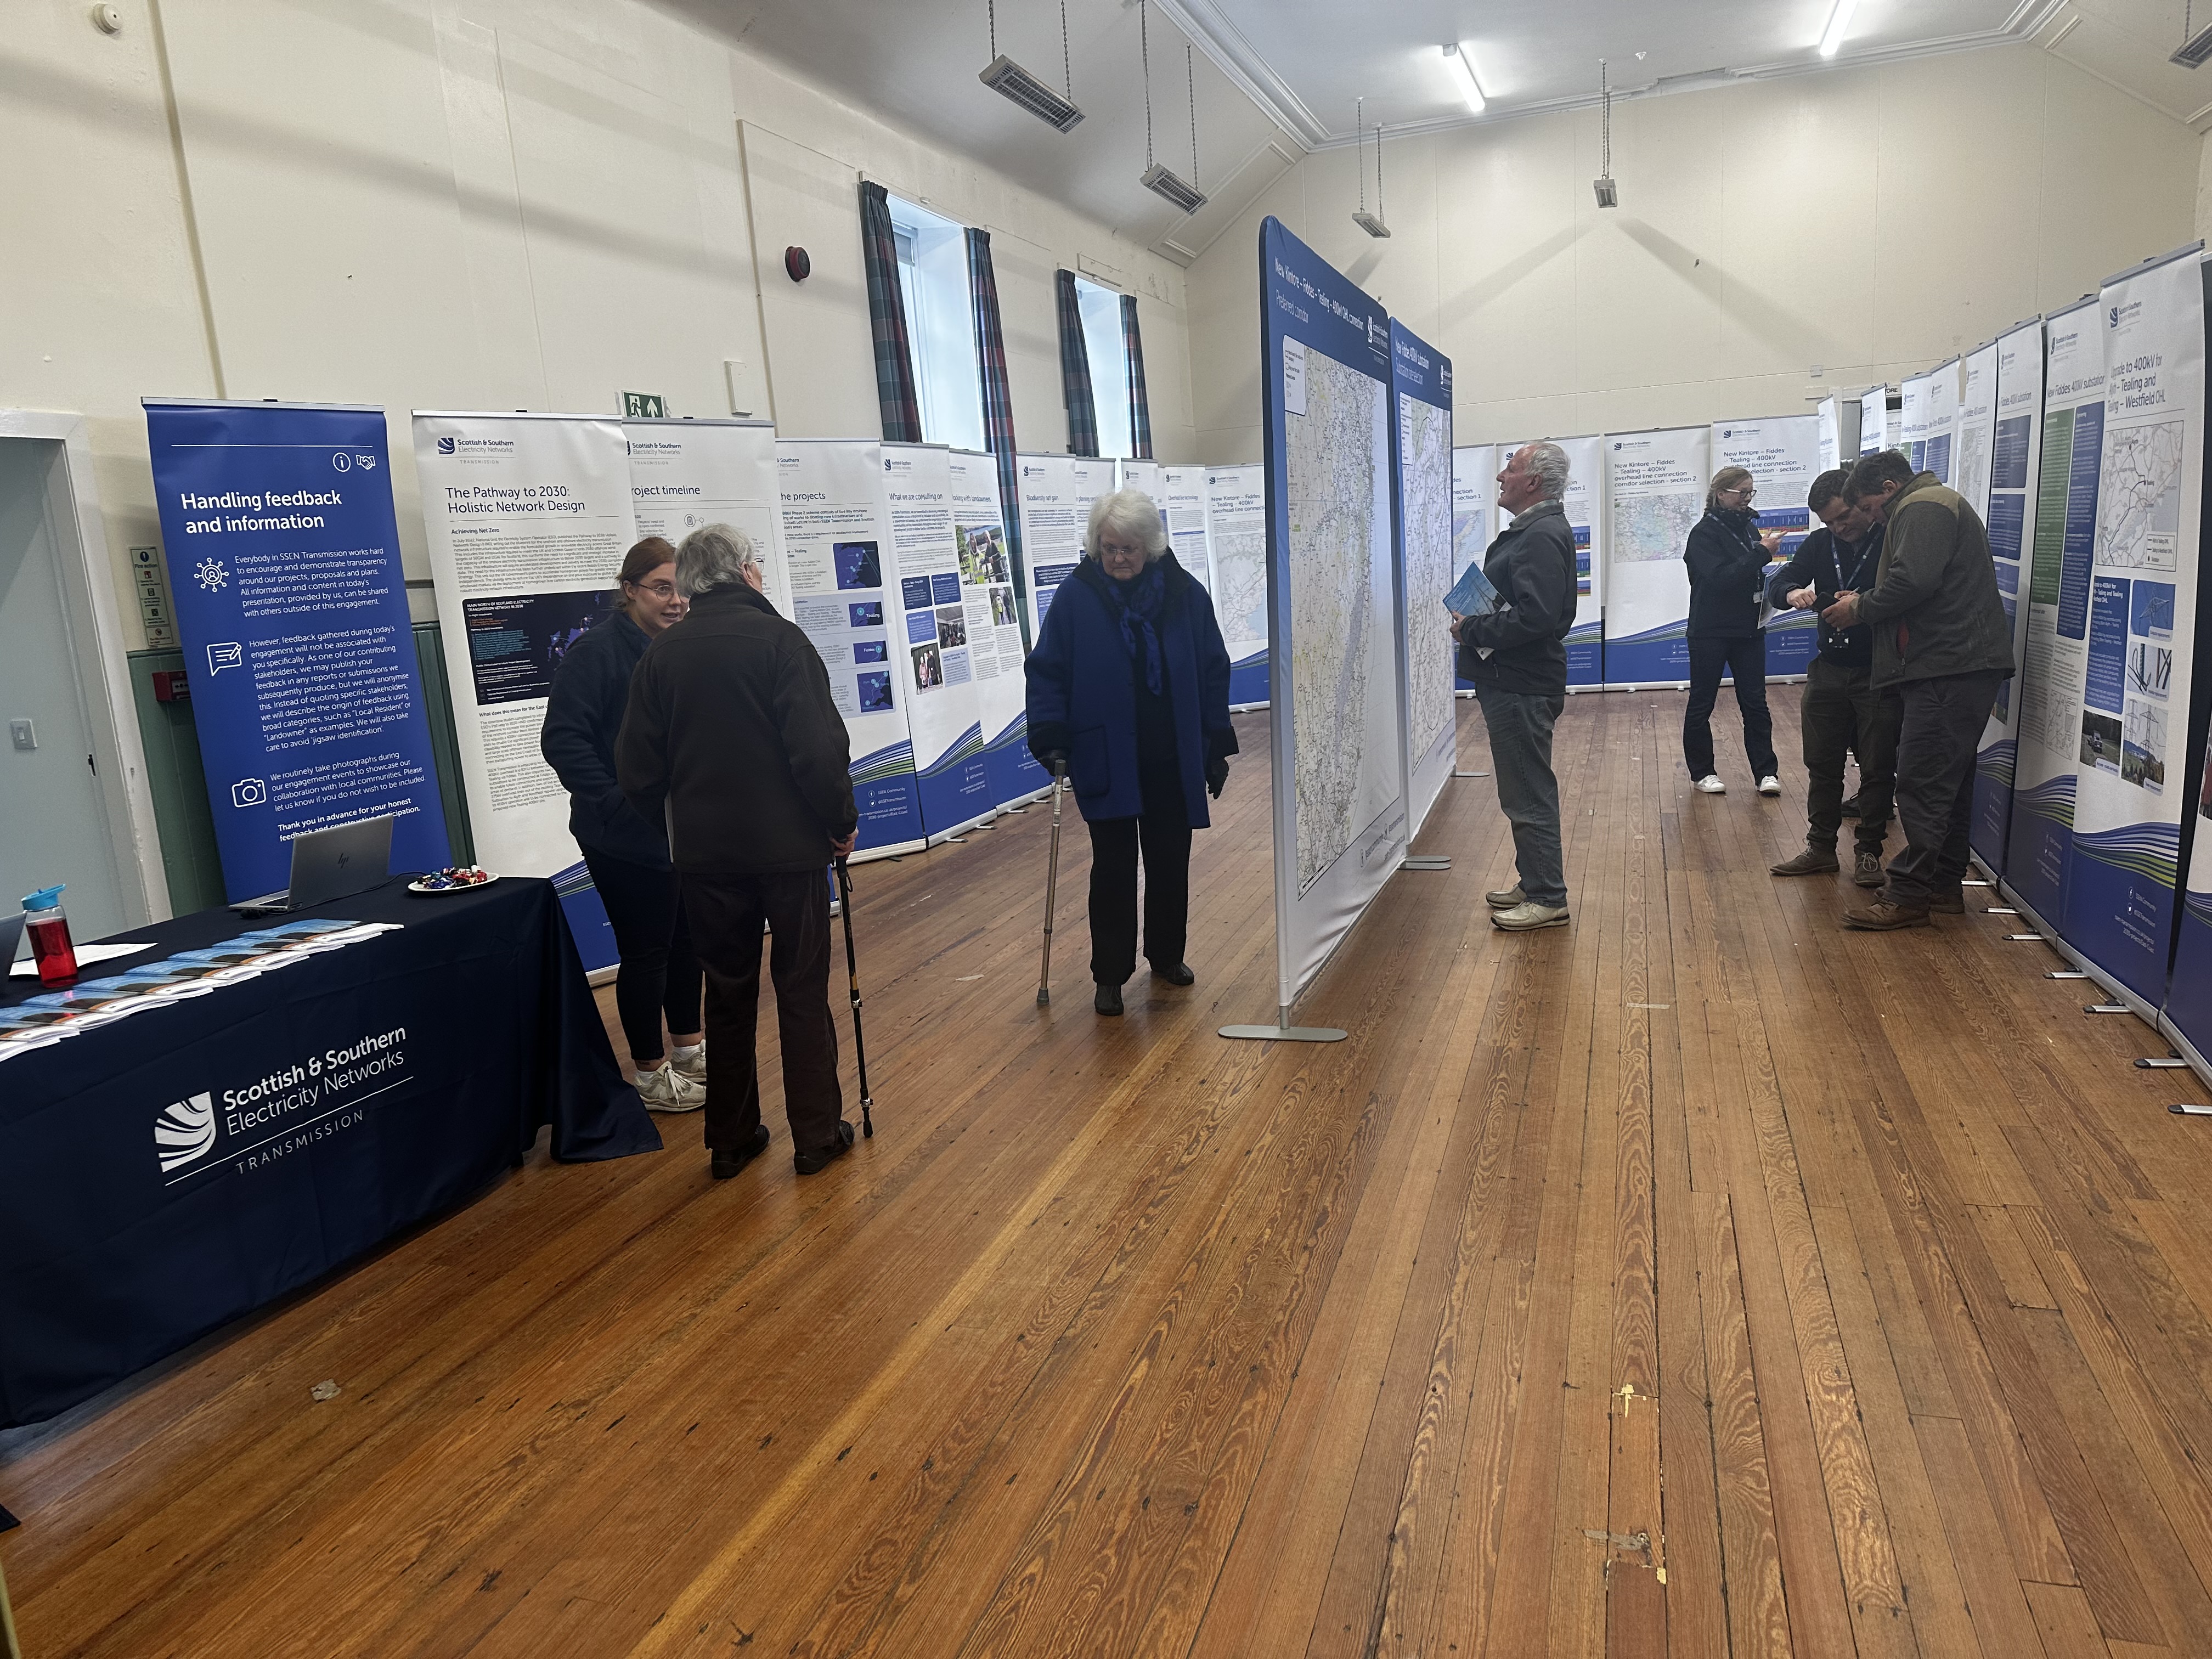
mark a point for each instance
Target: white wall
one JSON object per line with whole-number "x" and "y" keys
{"x": 1868, "y": 222}
{"x": 471, "y": 204}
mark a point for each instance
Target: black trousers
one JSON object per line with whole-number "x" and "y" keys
{"x": 727, "y": 913}
{"x": 1943, "y": 721}
{"x": 1746, "y": 660}
{"x": 1163, "y": 832}
{"x": 659, "y": 972}
{"x": 1842, "y": 713}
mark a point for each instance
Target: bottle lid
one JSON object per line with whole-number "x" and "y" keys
{"x": 46, "y": 898}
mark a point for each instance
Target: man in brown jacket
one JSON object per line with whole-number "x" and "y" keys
{"x": 732, "y": 739}
{"x": 1941, "y": 639}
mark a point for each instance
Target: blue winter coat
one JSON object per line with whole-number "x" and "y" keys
{"x": 1082, "y": 690}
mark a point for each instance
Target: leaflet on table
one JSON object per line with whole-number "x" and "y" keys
{"x": 284, "y": 568}
{"x": 845, "y": 595}
{"x": 1056, "y": 494}
{"x": 1655, "y": 485}
{"x": 1182, "y": 512}
{"x": 1474, "y": 490}
{"x": 1237, "y": 535}
{"x": 994, "y": 631}
{"x": 2015, "y": 456}
{"x": 687, "y": 474}
{"x": 1783, "y": 455}
{"x": 935, "y": 657}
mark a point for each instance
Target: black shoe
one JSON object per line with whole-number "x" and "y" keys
{"x": 822, "y": 1156}
{"x": 1108, "y": 1000}
{"x": 723, "y": 1165}
{"x": 1178, "y": 974}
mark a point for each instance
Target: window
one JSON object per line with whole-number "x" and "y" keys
{"x": 1101, "y": 309}
{"x": 940, "y": 325}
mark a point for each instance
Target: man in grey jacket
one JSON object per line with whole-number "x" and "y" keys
{"x": 1517, "y": 655}
{"x": 1941, "y": 639}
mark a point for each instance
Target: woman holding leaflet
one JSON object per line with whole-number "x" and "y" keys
{"x": 1727, "y": 554}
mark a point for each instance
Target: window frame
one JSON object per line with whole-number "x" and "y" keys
{"x": 1100, "y": 307}
{"x": 932, "y": 254}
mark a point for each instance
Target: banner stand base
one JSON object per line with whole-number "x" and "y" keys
{"x": 1426, "y": 863}
{"x": 1470, "y": 775}
{"x": 1282, "y": 1031}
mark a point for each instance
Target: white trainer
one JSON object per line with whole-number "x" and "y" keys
{"x": 664, "y": 1089}
{"x": 690, "y": 1062}
{"x": 1710, "y": 784}
{"x": 1770, "y": 785}
{"x": 1529, "y": 915}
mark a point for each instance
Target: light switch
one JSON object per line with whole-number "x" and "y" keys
{"x": 21, "y": 734}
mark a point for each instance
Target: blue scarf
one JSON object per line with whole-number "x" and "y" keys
{"x": 1138, "y": 602}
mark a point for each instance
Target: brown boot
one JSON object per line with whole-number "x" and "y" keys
{"x": 1813, "y": 861}
{"x": 1866, "y": 869}
{"x": 1950, "y": 903}
{"x": 1880, "y": 916}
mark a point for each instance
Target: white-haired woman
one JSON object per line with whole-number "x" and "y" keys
{"x": 1128, "y": 689}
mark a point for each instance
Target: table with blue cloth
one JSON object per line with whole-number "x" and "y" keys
{"x": 168, "y": 1172}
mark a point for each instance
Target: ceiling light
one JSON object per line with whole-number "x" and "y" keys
{"x": 1609, "y": 194}
{"x": 1839, "y": 24}
{"x": 1168, "y": 188}
{"x": 1010, "y": 80}
{"x": 2193, "y": 51}
{"x": 1372, "y": 223}
{"x": 1158, "y": 179}
{"x": 1462, "y": 67}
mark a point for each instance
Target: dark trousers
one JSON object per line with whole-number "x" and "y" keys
{"x": 1520, "y": 725}
{"x": 727, "y": 913}
{"x": 1746, "y": 660}
{"x": 659, "y": 972}
{"x": 1943, "y": 721}
{"x": 1163, "y": 832}
{"x": 1842, "y": 713}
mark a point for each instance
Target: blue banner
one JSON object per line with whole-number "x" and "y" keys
{"x": 283, "y": 560}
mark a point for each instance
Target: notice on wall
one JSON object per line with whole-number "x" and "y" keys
{"x": 1474, "y": 505}
{"x": 838, "y": 540}
{"x": 995, "y": 633}
{"x": 1236, "y": 530}
{"x": 1655, "y": 494}
{"x": 685, "y": 474}
{"x": 2016, "y": 452}
{"x": 1783, "y": 455}
{"x": 938, "y": 652}
{"x": 283, "y": 559}
{"x": 1420, "y": 436}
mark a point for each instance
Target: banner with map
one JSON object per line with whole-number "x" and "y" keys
{"x": 2009, "y": 491}
{"x": 1333, "y": 647}
{"x": 1236, "y": 536}
{"x": 1475, "y": 511}
{"x": 1654, "y": 485}
{"x": 1783, "y": 455}
{"x": 1421, "y": 439}
{"x": 2120, "y": 891}
{"x": 994, "y": 630}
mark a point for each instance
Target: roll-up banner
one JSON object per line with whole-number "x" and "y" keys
{"x": 1236, "y": 532}
{"x": 1656, "y": 485}
{"x": 1783, "y": 455}
{"x": 1942, "y": 384}
{"x": 1182, "y": 510}
{"x": 2187, "y": 1017}
{"x": 2135, "y": 698}
{"x": 1139, "y": 474}
{"x": 528, "y": 517}
{"x": 1339, "y": 801}
{"x": 686, "y": 474}
{"x": 994, "y": 632}
{"x": 1474, "y": 504}
{"x": 1915, "y": 392}
{"x": 935, "y": 657}
{"x": 2040, "y": 847}
{"x": 1584, "y": 503}
{"x": 1420, "y": 437}
{"x": 1876, "y": 433}
{"x": 2015, "y": 454}
{"x": 283, "y": 560}
{"x": 845, "y": 595}
{"x": 1830, "y": 415}
{"x": 1057, "y": 492}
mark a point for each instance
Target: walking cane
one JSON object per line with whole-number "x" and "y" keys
{"x": 1051, "y": 887}
{"x": 853, "y": 979}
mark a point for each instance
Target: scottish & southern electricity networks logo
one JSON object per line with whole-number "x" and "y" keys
{"x": 185, "y": 1132}
{"x": 445, "y": 446}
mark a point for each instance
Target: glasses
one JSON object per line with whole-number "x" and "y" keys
{"x": 662, "y": 591}
{"x": 1743, "y": 492}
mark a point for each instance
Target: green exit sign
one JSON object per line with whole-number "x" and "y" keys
{"x": 645, "y": 406}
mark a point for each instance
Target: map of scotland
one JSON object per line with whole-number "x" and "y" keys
{"x": 2139, "y": 497}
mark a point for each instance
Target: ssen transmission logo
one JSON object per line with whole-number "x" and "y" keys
{"x": 185, "y": 1132}
{"x": 284, "y": 1111}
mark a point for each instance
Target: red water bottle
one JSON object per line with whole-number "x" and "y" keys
{"x": 50, "y": 936}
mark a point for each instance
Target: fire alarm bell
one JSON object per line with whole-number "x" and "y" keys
{"x": 796, "y": 265}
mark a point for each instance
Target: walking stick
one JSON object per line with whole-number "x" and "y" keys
{"x": 853, "y": 979}
{"x": 1051, "y": 887}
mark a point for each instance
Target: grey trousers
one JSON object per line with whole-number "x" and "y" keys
{"x": 1528, "y": 791}
{"x": 1943, "y": 721}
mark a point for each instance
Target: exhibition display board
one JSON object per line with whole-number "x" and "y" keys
{"x": 2009, "y": 489}
{"x": 2187, "y": 1017}
{"x": 1876, "y": 433}
{"x": 1916, "y": 392}
{"x": 1474, "y": 508}
{"x": 685, "y": 474}
{"x": 1783, "y": 455}
{"x": 284, "y": 567}
{"x": 1943, "y": 394}
{"x": 1182, "y": 502}
{"x": 936, "y": 655}
{"x": 1057, "y": 492}
{"x": 1237, "y": 535}
{"x": 1584, "y": 503}
{"x": 1420, "y": 441}
{"x": 1830, "y": 415}
{"x": 1656, "y": 485}
{"x": 994, "y": 631}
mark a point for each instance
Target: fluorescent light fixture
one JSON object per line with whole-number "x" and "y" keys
{"x": 1839, "y": 25}
{"x": 1370, "y": 223}
{"x": 2195, "y": 50}
{"x": 1169, "y": 188}
{"x": 1010, "y": 80}
{"x": 1462, "y": 67}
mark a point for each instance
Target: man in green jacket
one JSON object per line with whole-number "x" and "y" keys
{"x": 1941, "y": 639}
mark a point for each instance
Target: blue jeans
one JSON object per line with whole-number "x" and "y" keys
{"x": 1520, "y": 725}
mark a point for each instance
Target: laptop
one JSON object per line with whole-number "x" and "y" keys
{"x": 330, "y": 864}
{"x": 11, "y": 941}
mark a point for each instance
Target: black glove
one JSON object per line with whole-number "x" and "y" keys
{"x": 1217, "y": 775}
{"x": 1055, "y": 760}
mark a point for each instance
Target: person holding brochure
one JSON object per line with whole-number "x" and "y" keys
{"x": 1727, "y": 554}
{"x": 1515, "y": 654}
{"x": 626, "y": 854}
{"x": 1128, "y": 689}
{"x": 733, "y": 737}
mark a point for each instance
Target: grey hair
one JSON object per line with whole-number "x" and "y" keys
{"x": 1134, "y": 514}
{"x": 1548, "y": 462}
{"x": 713, "y": 556}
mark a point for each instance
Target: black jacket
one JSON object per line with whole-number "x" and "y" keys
{"x": 1936, "y": 610}
{"x": 732, "y": 732}
{"x": 1726, "y": 560}
{"x": 1532, "y": 566}
{"x": 1815, "y": 565}
{"x": 583, "y": 712}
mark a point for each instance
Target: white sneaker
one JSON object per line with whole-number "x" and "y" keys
{"x": 691, "y": 1062}
{"x": 1528, "y": 916}
{"x": 664, "y": 1089}
{"x": 1770, "y": 785}
{"x": 1710, "y": 784}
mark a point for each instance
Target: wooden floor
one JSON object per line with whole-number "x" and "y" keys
{"x": 1700, "y": 1279}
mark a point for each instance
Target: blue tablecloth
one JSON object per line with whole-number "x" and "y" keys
{"x": 340, "y": 1100}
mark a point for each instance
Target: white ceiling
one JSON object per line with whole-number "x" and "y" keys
{"x": 1277, "y": 77}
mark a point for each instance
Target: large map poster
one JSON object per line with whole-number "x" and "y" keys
{"x": 1783, "y": 455}
{"x": 1475, "y": 509}
{"x": 1655, "y": 485}
{"x": 1333, "y": 643}
{"x": 2015, "y": 455}
{"x": 1421, "y": 417}
{"x": 994, "y": 632}
{"x": 2120, "y": 887}
{"x": 1236, "y": 532}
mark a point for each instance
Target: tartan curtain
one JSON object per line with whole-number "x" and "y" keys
{"x": 1141, "y": 410}
{"x": 902, "y": 409}
{"x": 1075, "y": 371}
{"x": 991, "y": 376}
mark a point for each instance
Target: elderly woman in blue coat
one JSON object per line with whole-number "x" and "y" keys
{"x": 1128, "y": 687}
